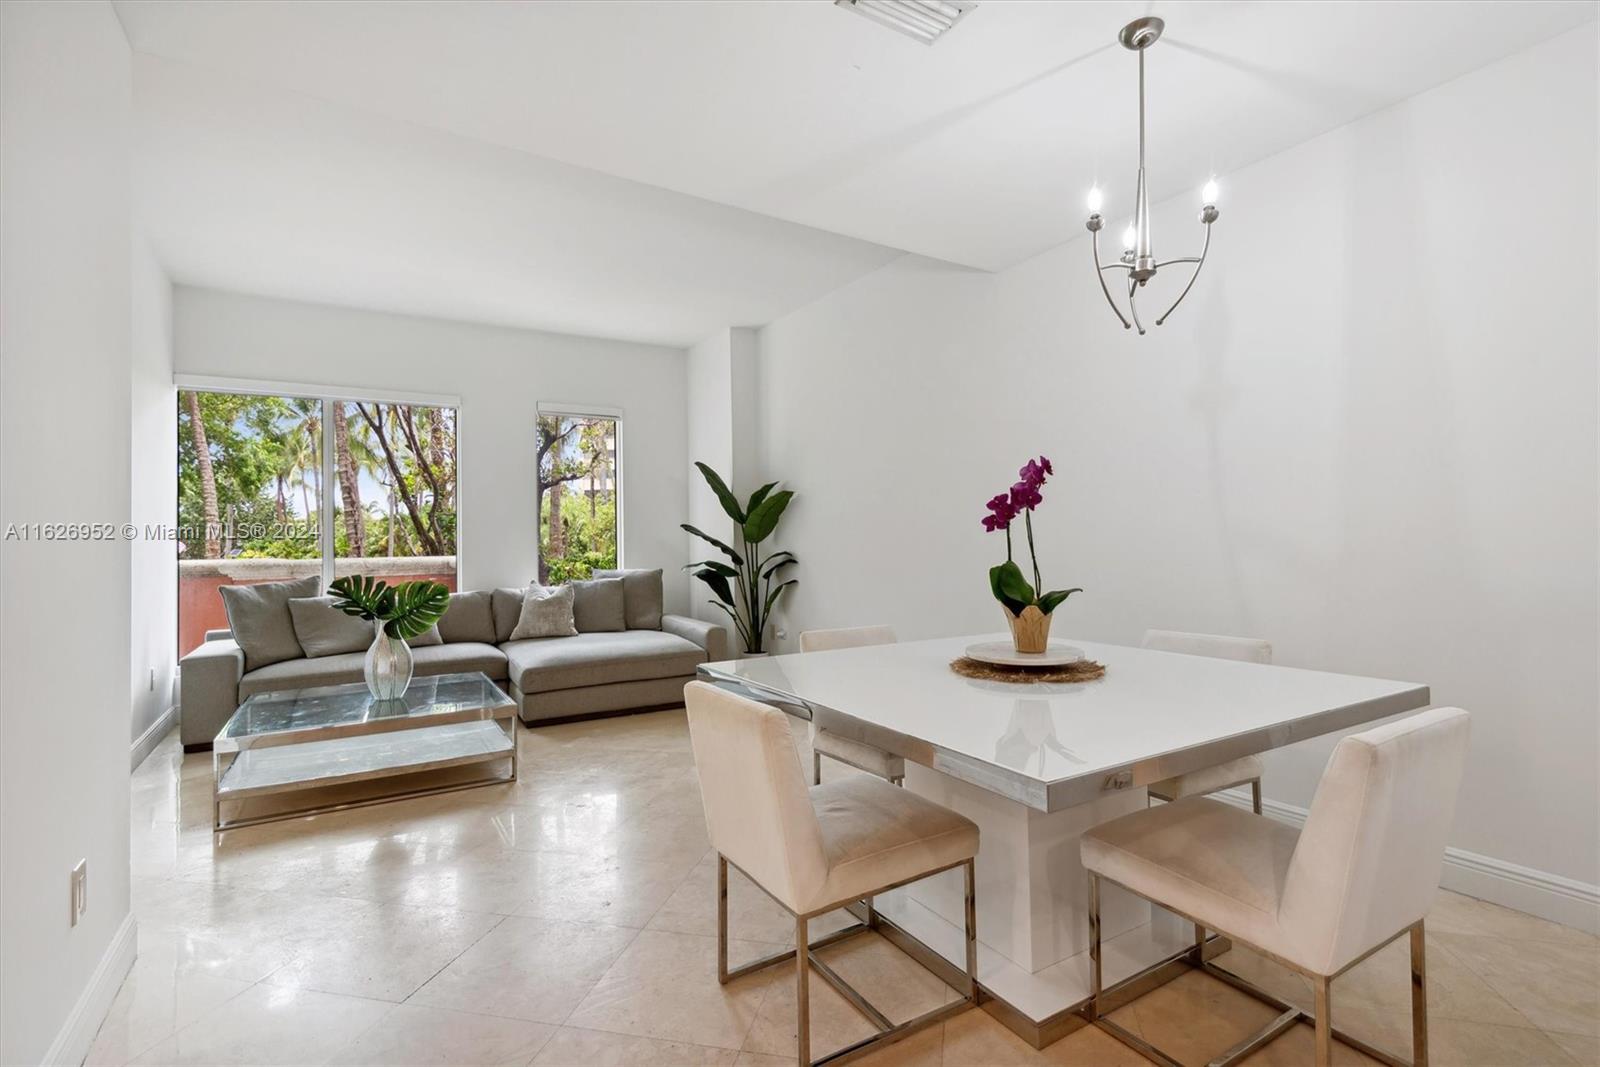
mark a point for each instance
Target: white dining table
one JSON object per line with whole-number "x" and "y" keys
{"x": 1035, "y": 765}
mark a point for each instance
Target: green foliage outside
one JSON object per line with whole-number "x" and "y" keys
{"x": 250, "y": 478}
{"x": 577, "y": 474}
{"x": 590, "y": 539}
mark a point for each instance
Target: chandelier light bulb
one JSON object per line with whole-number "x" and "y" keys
{"x": 1139, "y": 261}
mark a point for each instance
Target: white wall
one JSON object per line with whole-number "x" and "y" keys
{"x": 500, "y": 374}
{"x": 722, "y": 402}
{"x": 154, "y": 482}
{"x": 1369, "y": 435}
{"x": 64, "y": 420}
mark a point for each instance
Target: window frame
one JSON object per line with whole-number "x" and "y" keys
{"x": 336, "y": 394}
{"x": 545, "y": 408}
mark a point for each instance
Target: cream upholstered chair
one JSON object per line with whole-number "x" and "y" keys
{"x": 861, "y": 756}
{"x": 1241, "y": 771}
{"x": 1363, "y": 872}
{"x": 815, "y": 849}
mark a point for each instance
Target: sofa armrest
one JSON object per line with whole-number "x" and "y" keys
{"x": 708, "y": 635}
{"x": 208, "y": 689}
{"x": 219, "y": 635}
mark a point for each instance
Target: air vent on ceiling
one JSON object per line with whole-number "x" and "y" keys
{"x": 926, "y": 20}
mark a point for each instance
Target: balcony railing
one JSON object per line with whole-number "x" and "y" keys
{"x": 200, "y": 605}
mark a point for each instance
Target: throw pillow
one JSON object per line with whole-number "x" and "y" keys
{"x": 598, "y": 606}
{"x": 546, "y": 612}
{"x": 506, "y": 605}
{"x": 324, "y": 630}
{"x": 641, "y": 597}
{"x": 470, "y": 617}
{"x": 430, "y": 636}
{"x": 259, "y": 617}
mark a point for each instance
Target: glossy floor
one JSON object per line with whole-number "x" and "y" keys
{"x": 569, "y": 919}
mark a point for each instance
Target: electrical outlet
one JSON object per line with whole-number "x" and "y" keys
{"x": 80, "y": 890}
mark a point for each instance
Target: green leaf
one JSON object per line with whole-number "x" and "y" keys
{"x": 361, "y": 595}
{"x": 1049, "y": 601}
{"x": 721, "y": 568}
{"x": 718, "y": 583}
{"x": 415, "y": 607}
{"x": 730, "y": 503}
{"x": 758, "y": 496}
{"x": 738, "y": 624}
{"x": 764, "y": 519}
{"x": 772, "y": 597}
{"x": 1003, "y": 581}
{"x": 773, "y": 568}
{"x": 731, "y": 554}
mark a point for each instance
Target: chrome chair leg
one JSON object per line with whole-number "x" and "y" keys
{"x": 1094, "y": 948}
{"x": 802, "y": 991}
{"x": 1419, "y": 997}
{"x": 972, "y": 932}
{"x": 722, "y": 919}
{"x": 1324, "y": 1023}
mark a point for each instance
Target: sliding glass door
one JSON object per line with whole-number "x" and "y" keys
{"x": 257, "y": 471}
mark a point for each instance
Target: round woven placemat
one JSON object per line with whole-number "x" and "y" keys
{"x": 1085, "y": 670}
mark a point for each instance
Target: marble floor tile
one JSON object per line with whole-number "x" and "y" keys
{"x": 385, "y": 953}
{"x": 977, "y": 1039}
{"x": 527, "y": 969}
{"x": 1383, "y": 981}
{"x": 585, "y": 887}
{"x": 1556, "y": 985}
{"x": 1454, "y": 913}
{"x": 412, "y": 1035}
{"x": 665, "y": 986}
{"x": 1194, "y": 1017}
{"x": 269, "y": 1025}
{"x": 156, "y": 1000}
{"x": 596, "y": 1048}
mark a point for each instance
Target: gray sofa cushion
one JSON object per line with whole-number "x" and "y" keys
{"x": 470, "y": 617}
{"x": 553, "y": 663}
{"x": 599, "y": 606}
{"x": 459, "y": 657}
{"x": 259, "y": 617}
{"x": 506, "y": 605}
{"x": 641, "y": 595}
{"x": 430, "y": 636}
{"x": 324, "y": 630}
{"x": 546, "y": 612}
{"x": 336, "y": 670}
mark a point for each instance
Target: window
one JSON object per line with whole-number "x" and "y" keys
{"x": 255, "y": 471}
{"x": 579, "y": 493}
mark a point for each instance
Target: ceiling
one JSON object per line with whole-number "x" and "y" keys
{"x": 976, "y": 150}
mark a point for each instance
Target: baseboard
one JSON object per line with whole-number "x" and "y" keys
{"x": 146, "y": 742}
{"x": 1540, "y": 893}
{"x": 83, "y": 1022}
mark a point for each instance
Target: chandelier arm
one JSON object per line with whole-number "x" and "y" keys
{"x": 1198, "y": 265}
{"x": 1100, "y": 273}
{"x": 1116, "y": 266}
{"x": 1171, "y": 262}
{"x": 1133, "y": 305}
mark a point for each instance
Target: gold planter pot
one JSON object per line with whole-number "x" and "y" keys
{"x": 1030, "y": 631}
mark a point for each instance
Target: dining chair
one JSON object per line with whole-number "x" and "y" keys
{"x": 1318, "y": 901}
{"x": 857, "y": 754}
{"x": 1246, "y": 770}
{"x": 816, "y": 849}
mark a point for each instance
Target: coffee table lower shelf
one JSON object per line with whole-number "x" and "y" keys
{"x": 271, "y": 771}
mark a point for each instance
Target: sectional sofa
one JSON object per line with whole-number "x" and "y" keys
{"x": 627, "y": 655}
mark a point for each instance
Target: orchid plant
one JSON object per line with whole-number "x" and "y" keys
{"x": 1007, "y": 581}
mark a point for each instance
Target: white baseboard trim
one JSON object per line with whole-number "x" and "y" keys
{"x": 83, "y": 1022}
{"x": 1540, "y": 893}
{"x": 146, "y": 742}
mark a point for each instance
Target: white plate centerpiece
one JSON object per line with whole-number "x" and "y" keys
{"x": 1005, "y": 654}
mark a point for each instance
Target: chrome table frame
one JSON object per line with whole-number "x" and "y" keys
{"x": 1290, "y": 1015}
{"x": 806, "y": 961}
{"x": 502, "y": 712}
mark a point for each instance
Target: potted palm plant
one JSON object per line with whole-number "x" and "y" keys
{"x": 749, "y": 585}
{"x": 397, "y": 613}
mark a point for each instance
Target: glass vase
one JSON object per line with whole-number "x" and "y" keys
{"x": 388, "y": 666}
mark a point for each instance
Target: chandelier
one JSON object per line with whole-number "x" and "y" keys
{"x": 1138, "y": 259}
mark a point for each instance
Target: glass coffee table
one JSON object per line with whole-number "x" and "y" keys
{"x": 339, "y": 735}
